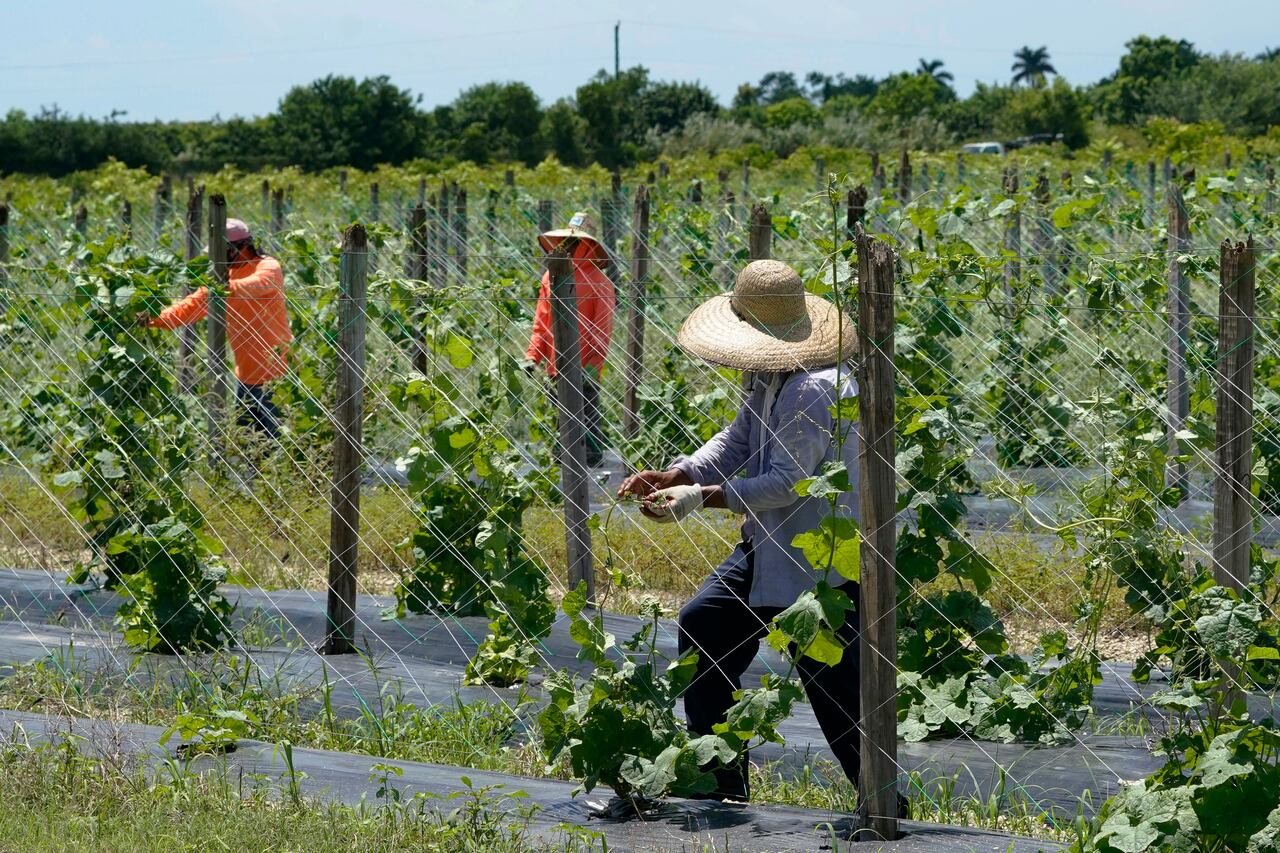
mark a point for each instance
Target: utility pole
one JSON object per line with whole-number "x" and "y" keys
{"x": 617, "y": 67}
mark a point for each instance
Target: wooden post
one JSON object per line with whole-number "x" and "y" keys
{"x": 460, "y": 234}
{"x": 1042, "y": 236}
{"x": 342, "y": 182}
{"x": 820, "y": 172}
{"x": 417, "y": 266}
{"x": 610, "y": 210}
{"x": 1012, "y": 235}
{"x": 81, "y": 221}
{"x": 695, "y": 192}
{"x": 878, "y": 785}
{"x": 574, "y": 484}
{"x": 191, "y": 241}
{"x": 375, "y": 203}
{"x": 277, "y": 212}
{"x": 855, "y": 210}
{"x": 760, "y": 233}
{"x": 266, "y": 196}
{"x": 1226, "y": 160}
{"x": 904, "y": 177}
{"x": 126, "y": 219}
{"x": 663, "y": 169}
{"x": 161, "y": 210}
{"x": 1270, "y": 204}
{"x": 1151, "y": 188}
{"x": 633, "y": 368}
{"x": 4, "y": 249}
{"x": 348, "y": 416}
{"x": 216, "y": 385}
{"x": 1232, "y": 493}
{"x": 1178, "y": 390}
{"x": 491, "y": 216}
{"x": 509, "y": 178}
{"x": 959, "y": 167}
{"x": 722, "y": 181}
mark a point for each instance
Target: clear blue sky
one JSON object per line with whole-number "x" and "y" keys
{"x": 190, "y": 59}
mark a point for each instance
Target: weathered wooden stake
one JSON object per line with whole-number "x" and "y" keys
{"x": 546, "y": 216}
{"x": 4, "y": 247}
{"x": 610, "y": 213}
{"x": 878, "y": 523}
{"x": 1178, "y": 390}
{"x": 460, "y": 234}
{"x": 162, "y": 209}
{"x": 904, "y": 177}
{"x": 760, "y": 233}
{"x": 820, "y": 172}
{"x": 573, "y": 467}
{"x": 663, "y": 169}
{"x": 342, "y": 181}
{"x": 1232, "y": 493}
{"x": 191, "y": 240}
{"x": 266, "y": 196}
{"x": 855, "y": 210}
{"x": 416, "y": 265}
{"x": 695, "y": 192}
{"x": 277, "y": 212}
{"x": 216, "y": 384}
{"x": 81, "y": 221}
{"x": 348, "y": 420}
{"x": 375, "y": 203}
{"x": 126, "y": 219}
{"x": 509, "y": 178}
{"x": 1012, "y": 235}
{"x": 633, "y": 368}
{"x": 1042, "y": 236}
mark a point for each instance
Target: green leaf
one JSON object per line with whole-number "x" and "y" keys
{"x": 1262, "y": 653}
{"x": 1230, "y": 627}
{"x": 825, "y": 648}
{"x": 462, "y": 438}
{"x": 836, "y": 544}
{"x": 459, "y": 351}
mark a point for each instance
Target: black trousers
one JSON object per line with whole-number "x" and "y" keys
{"x": 257, "y": 409}
{"x": 726, "y": 633}
{"x": 593, "y": 430}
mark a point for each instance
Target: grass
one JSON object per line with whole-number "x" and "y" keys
{"x": 57, "y": 798}
{"x": 479, "y": 735}
{"x": 282, "y": 543}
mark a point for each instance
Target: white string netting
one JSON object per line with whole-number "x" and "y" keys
{"x": 272, "y": 518}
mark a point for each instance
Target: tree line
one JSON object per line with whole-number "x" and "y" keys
{"x": 618, "y": 120}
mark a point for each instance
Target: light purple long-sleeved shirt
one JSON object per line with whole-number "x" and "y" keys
{"x": 798, "y": 441}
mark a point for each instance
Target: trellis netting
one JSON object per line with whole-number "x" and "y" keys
{"x": 1054, "y": 558}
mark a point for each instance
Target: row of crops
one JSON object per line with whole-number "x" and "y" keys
{"x": 1032, "y": 348}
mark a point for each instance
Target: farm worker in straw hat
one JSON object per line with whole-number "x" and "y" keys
{"x": 791, "y": 341}
{"x": 596, "y": 303}
{"x": 257, "y": 326}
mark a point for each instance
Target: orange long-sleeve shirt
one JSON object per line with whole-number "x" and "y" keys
{"x": 257, "y": 320}
{"x": 596, "y": 302}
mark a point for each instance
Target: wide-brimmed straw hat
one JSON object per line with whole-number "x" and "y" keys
{"x": 768, "y": 323}
{"x": 581, "y": 225}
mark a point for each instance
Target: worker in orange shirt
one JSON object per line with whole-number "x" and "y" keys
{"x": 596, "y": 301}
{"x": 257, "y": 326}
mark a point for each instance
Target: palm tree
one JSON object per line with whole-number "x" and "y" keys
{"x": 1031, "y": 65}
{"x": 933, "y": 67}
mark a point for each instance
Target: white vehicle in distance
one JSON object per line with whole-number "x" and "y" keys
{"x": 983, "y": 148}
